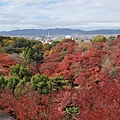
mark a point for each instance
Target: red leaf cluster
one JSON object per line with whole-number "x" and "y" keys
{"x": 95, "y": 89}
{"x": 5, "y": 63}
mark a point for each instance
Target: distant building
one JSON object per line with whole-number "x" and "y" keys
{"x": 68, "y": 37}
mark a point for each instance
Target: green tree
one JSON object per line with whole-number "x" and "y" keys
{"x": 36, "y": 56}
{"x": 28, "y": 57}
{"x": 31, "y": 55}
{"x": 19, "y": 89}
{"x": 37, "y": 47}
{"x": 58, "y": 82}
{"x": 12, "y": 83}
{"x": 70, "y": 110}
{"x": 25, "y": 51}
{"x": 54, "y": 43}
{"x": 3, "y": 82}
{"x": 1, "y": 40}
{"x": 44, "y": 85}
{"x": 39, "y": 83}
{"x": 20, "y": 72}
{"x": 111, "y": 38}
{"x": 20, "y": 42}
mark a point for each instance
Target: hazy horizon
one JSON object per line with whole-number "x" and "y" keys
{"x": 55, "y": 28}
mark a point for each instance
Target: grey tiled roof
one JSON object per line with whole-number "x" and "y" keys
{"x": 3, "y": 116}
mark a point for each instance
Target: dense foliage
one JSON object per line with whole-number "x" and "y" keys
{"x": 69, "y": 81}
{"x": 99, "y": 38}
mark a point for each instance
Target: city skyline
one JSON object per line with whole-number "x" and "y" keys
{"x": 45, "y": 14}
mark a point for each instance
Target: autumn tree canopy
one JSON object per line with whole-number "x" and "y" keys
{"x": 71, "y": 82}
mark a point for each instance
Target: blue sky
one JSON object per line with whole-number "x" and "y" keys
{"x": 44, "y": 14}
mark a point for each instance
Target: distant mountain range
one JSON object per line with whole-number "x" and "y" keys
{"x": 58, "y": 31}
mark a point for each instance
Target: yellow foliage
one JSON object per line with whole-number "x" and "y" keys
{"x": 5, "y": 42}
{"x": 10, "y": 41}
{"x": 51, "y": 52}
{"x": 46, "y": 52}
{"x": 64, "y": 39}
{"x": 45, "y": 46}
{"x": 99, "y": 38}
{"x": 34, "y": 46}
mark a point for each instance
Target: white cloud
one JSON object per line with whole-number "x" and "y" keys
{"x": 83, "y": 14}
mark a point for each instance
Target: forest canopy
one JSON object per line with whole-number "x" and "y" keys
{"x": 65, "y": 80}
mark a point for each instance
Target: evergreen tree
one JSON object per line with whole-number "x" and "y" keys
{"x": 12, "y": 83}
{"x": 20, "y": 72}
{"x": 3, "y": 82}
